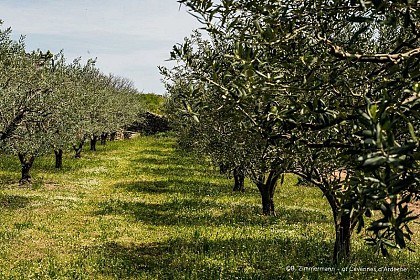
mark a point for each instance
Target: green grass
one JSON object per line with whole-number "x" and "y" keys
{"x": 140, "y": 209}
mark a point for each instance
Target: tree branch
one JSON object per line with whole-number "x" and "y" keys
{"x": 12, "y": 126}
{"x": 395, "y": 58}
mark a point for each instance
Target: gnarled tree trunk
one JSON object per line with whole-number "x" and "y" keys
{"x": 93, "y": 141}
{"x": 78, "y": 149}
{"x": 104, "y": 136}
{"x": 267, "y": 190}
{"x": 342, "y": 244}
{"x": 58, "y": 158}
{"x": 26, "y": 163}
{"x": 239, "y": 176}
{"x": 112, "y": 136}
{"x": 343, "y": 230}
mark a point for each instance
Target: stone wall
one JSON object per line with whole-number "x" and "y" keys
{"x": 150, "y": 124}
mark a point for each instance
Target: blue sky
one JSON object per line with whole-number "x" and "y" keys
{"x": 130, "y": 38}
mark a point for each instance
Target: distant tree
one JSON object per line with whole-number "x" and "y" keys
{"x": 47, "y": 104}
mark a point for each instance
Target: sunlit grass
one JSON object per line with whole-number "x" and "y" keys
{"x": 140, "y": 209}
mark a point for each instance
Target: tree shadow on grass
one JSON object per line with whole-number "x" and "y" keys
{"x": 13, "y": 202}
{"x": 201, "y": 256}
{"x": 175, "y": 185}
{"x": 10, "y": 164}
{"x": 162, "y": 167}
{"x": 155, "y": 186}
{"x": 155, "y": 153}
{"x": 204, "y": 212}
{"x": 9, "y": 179}
{"x": 46, "y": 164}
{"x": 153, "y": 167}
{"x": 174, "y": 213}
{"x": 207, "y": 256}
{"x": 168, "y": 158}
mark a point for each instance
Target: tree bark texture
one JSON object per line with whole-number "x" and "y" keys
{"x": 26, "y": 163}
{"x": 14, "y": 124}
{"x": 343, "y": 230}
{"x": 93, "y": 141}
{"x": 239, "y": 176}
{"x": 267, "y": 190}
{"x": 342, "y": 239}
{"x": 104, "y": 136}
{"x": 58, "y": 158}
{"x": 78, "y": 150}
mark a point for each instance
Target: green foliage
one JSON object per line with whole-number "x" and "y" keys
{"x": 152, "y": 102}
{"x": 327, "y": 86}
{"x": 389, "y": 169}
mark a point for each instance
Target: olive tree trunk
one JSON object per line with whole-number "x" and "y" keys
{"x": 342, "y": 243}
{"x": 343, "y": 230}
{"x": 93, "y": 141}
{"x": 78, "y": 149}
{"x": 239, "y": 176}
{"x": 267, "y": 189}
{"x": 26, "y": 163}
{"x": 104, "y": 136}
{"x": 58, "y": 158}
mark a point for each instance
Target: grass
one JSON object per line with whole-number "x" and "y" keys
{"x": 140, "y": 209}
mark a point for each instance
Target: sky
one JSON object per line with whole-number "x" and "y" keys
{"x": 129, "y": 38}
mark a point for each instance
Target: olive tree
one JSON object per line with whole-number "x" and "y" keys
{"x": 25, "y": 102}
{"x": 16, "y": 93}
{"x": 317, "y": 85}
{"x": 212, "y": 126}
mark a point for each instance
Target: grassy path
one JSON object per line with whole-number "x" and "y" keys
{"x": 139, "y": 209}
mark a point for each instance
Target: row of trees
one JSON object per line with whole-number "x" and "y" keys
{"x": 47, "y": 104}
{"x": 326, "y": 90}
